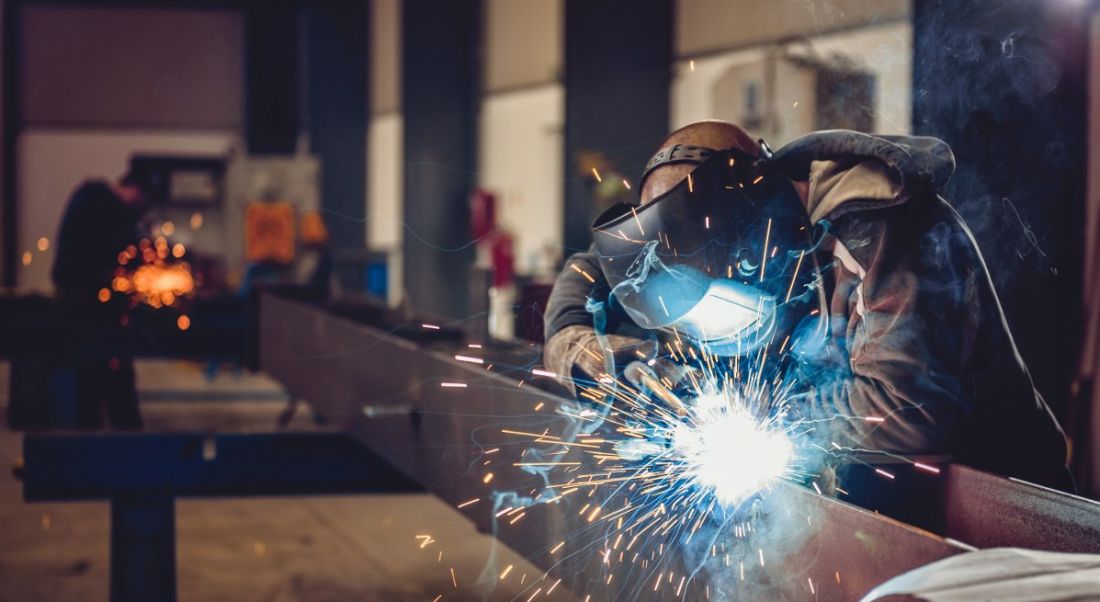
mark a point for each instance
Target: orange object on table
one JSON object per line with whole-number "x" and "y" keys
{"x": 269, "y": 231}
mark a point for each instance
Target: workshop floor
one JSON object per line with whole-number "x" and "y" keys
{"x": 320, "y": 549}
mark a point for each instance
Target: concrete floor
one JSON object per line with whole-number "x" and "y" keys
{"x": 320, "y": 549}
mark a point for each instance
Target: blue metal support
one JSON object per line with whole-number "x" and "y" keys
{"x": 143, "y": 474}
{"x": 143, "y": 549}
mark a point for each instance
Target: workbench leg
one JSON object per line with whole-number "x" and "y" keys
{"x": 143, "y": 549}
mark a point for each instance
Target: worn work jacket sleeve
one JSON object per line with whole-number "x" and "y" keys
{"x": 903, "y": 316}
{"x": 567, "y": 306}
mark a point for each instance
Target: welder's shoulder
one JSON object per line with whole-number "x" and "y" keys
{"x": 90, "y": 200}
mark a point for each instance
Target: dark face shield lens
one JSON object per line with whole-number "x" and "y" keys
{"x": 715, "y": 258}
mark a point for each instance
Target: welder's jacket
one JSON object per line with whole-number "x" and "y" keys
{"x": 96, "y": 227}
{"x": 917, "y": 335}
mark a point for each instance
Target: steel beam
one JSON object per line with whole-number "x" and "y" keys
{"x": 352, "y": 372}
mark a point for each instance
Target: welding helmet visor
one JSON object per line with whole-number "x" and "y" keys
{"x": 717, "y": 259}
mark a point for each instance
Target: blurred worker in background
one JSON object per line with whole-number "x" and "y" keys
{"x": 902, "y": 323}
{"x": 99, "y": 222}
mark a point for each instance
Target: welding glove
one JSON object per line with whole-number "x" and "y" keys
{"x": 577, "y": 352}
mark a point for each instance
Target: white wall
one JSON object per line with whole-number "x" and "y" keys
{"x": 385, "y": 144}
{"x": 52, "y": 163}
{"x": 385, "y": 194}
{"x": 706, "y": 26}
{"x": 884, "y": 50}
{"x": 521, "y": 161}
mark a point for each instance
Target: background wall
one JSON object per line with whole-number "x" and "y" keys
{"x": 521, "y": 161}
{"x": 708, "y": 26}
{"x": 884, "y": 50}
{"x": 130, "y": 67}
{"x": 101, "y": 84}
{"x": 522, "y": 116}
{"x": 385, "y": 153}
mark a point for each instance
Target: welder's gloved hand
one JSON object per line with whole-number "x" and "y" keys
{"x": 577, "y": 352}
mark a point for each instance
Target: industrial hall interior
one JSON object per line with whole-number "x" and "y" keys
{"x": 562, "y": 300}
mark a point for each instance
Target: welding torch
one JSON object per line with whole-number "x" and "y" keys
{"x": 643, "y": 376}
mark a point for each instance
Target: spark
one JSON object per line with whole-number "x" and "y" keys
{"x": 506, "y": 571}
{"x": 469, "y": 502}
{"x": 580, "y": 271}
{"x": 597, "y": 174}
{"x": 641, "y": 230}
{"x": 429, "y": 326}
{"x": 794, "y": 277}
{"x": 448, "y": 385}
{"x": 926, "y": 468}
{"x": 884, "y": 473}
{"x": 764, "y": 260}
{"x": 659, "y": 464}
{"x": 469, "y": 359}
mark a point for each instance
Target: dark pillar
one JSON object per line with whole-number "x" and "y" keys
{"x": 618, "y": 65}
{"x": 1004, "y": 82}
{"x": 337, "y": 110}
{"x": 143, "y": 549}
{"x": 12, "y": 124}
{"x": 272, "y": 103}
{"x": 441, "y": 86}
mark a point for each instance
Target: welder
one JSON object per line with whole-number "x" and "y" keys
{"x": 898, "y": 322}
{"x": 99, "y": 222}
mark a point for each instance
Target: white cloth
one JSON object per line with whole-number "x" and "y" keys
{"x": 1001, "y": 574}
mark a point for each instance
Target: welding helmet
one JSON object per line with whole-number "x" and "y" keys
{"x": 724, "y": 258}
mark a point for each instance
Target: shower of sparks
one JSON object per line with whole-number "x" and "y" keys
{"x": 147, "y": 275}
{"x": 667, "y": 473}
{"x": 663, "y": 471}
